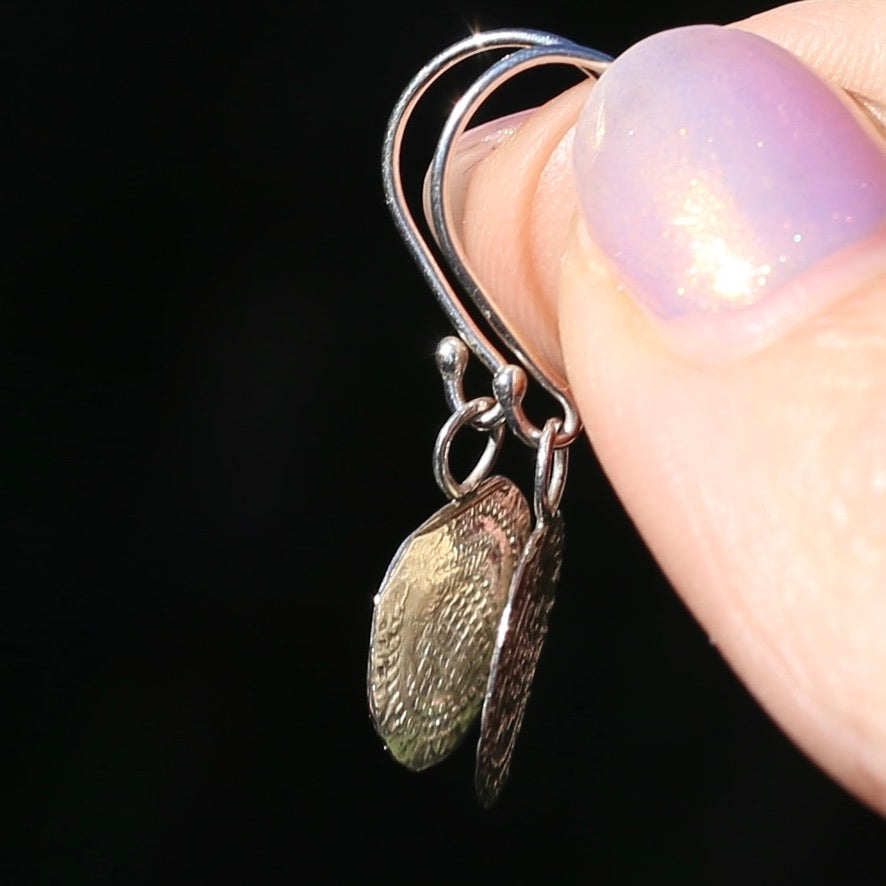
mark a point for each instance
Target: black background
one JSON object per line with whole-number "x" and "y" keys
{"x": 221, "y": 402}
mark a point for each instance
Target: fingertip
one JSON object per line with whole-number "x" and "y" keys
{"x": 756, "y": 474}
{"x": 517, "y": 214}
{"x": 755, "y": 485}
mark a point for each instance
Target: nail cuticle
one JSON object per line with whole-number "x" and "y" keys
{"x": 712, "y": 340}
{"x": 874, "y": 111}
{"x": 749, "y": 331}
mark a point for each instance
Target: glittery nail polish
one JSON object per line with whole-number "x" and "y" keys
{"x": 715, "y": 171}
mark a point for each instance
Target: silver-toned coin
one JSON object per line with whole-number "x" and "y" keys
{"x": 521, "y": 634}
{"x": 435, "y": 621}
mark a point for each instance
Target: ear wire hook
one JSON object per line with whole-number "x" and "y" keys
{"x": 534, "y": 48}
{"x": 508, "y": 384}
{"x": 461, "y": 615}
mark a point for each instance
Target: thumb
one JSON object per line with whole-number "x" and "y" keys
{"x": 712, "y": 251}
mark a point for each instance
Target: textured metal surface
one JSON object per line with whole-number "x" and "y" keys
{"x": 521, "y": 635}
{"x": 435, "y": 621}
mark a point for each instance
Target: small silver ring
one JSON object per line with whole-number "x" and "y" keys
{"x": 551, "y": 466}
{"x": 462, "y": 416}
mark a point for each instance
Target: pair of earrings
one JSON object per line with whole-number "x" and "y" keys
{"x": 462, "y": 612}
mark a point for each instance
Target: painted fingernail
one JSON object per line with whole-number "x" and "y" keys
{"x": 474, "y": 147}
{"x": 715, "y": 171}
{"x": 477, "y": 143}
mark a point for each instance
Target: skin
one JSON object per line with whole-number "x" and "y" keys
{"x": 769, "y": 519}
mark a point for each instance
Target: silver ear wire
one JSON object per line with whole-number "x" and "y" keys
{"x": 533, "y": 49}
{"x": 462, "y": 611}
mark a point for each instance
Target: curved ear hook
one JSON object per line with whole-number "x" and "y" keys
{"x": 534, "y": 48}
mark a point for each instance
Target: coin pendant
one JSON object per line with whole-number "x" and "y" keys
{"x": 436, "y": 618}
{"x": 521, "y": 634}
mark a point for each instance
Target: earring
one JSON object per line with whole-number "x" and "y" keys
{"x": 462, "y": 612}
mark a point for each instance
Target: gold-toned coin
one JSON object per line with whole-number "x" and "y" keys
{"x": 435, "y": 621}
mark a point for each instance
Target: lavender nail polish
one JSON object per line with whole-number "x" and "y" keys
{"x": 714, "y": 168}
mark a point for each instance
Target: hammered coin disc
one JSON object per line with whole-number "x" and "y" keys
{"x": 521, "y": 634}
{"x": 435, "y": 621}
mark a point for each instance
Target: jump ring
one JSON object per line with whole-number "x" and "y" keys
{"x": 551, "y": 466}
{"x": 462, "y": 416}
